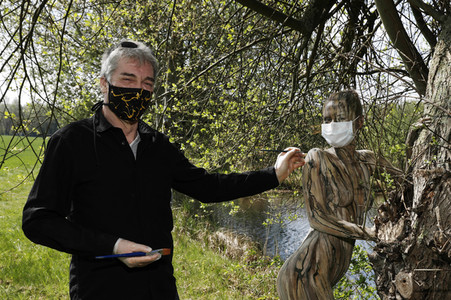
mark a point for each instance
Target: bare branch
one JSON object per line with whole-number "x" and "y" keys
{"x": 427, "y": 33}
{"x": 275, "y": 15}
{"x": 314, "y": 14}
{"x": 429, "y": 10}
{"x": 401, "y": 41}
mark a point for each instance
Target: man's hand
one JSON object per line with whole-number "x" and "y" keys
{"x": 125, "y": 246}
{"x": 287, "y": 162}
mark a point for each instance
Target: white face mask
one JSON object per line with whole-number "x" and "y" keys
{"x": 338, "y": 134}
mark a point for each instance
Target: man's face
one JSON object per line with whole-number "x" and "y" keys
{"x": 130, "y": 73}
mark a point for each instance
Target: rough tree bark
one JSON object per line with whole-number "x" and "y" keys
{"x": 412, "y": 260}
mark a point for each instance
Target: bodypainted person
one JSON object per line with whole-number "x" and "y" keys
{"x": 336, "y": 184}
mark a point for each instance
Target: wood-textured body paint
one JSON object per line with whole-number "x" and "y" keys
{"x": 336, "y": 186}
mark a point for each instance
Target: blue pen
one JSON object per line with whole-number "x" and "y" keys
{"x": 163, "y": 251}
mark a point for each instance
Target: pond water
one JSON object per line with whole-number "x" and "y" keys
{"x": 276, "y": 220}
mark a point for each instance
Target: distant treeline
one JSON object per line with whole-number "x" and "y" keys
{"x": 30, "y": 119}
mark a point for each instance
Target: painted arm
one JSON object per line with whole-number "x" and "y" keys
{"x": 380, "y": 165}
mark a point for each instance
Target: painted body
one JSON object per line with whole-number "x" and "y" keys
{"x": 337, "y": 193}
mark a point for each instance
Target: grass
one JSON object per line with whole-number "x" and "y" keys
{"x": 30, "y": 271}
{"x": 203, "y": 271}
{"x": 19, "y": 159}
{"x": 27, "y": 270}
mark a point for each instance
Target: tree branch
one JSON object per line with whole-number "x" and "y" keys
{"x": 427, "y": 33}
{"x": 275, "y": 15}
{"x": 429, "y": 10}
{"x": 409, "y": 54}
{"x": 314, "y": 14}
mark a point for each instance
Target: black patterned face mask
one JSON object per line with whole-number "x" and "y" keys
{"x": 128, "y": 103}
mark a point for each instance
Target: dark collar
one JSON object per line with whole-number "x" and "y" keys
{"x": 103, "y": 125}
{"x": 144, "y": 128}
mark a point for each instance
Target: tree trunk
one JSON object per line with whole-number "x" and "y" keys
{"x": 412, "y": 260}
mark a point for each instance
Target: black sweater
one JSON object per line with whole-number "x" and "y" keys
{"x": 91, "y": 190}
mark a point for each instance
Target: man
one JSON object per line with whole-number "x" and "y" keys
{"x": 337, "y": 193}
{"x": 105, "y": 187}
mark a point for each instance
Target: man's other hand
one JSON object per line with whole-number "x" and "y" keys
{"x": 125, "y": 246}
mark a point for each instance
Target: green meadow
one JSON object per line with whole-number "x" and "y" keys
{"x": 27, "y": 271}
{"x": 30, "y": 271}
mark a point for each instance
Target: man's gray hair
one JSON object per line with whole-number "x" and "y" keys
{"x": 127, "y": 49}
